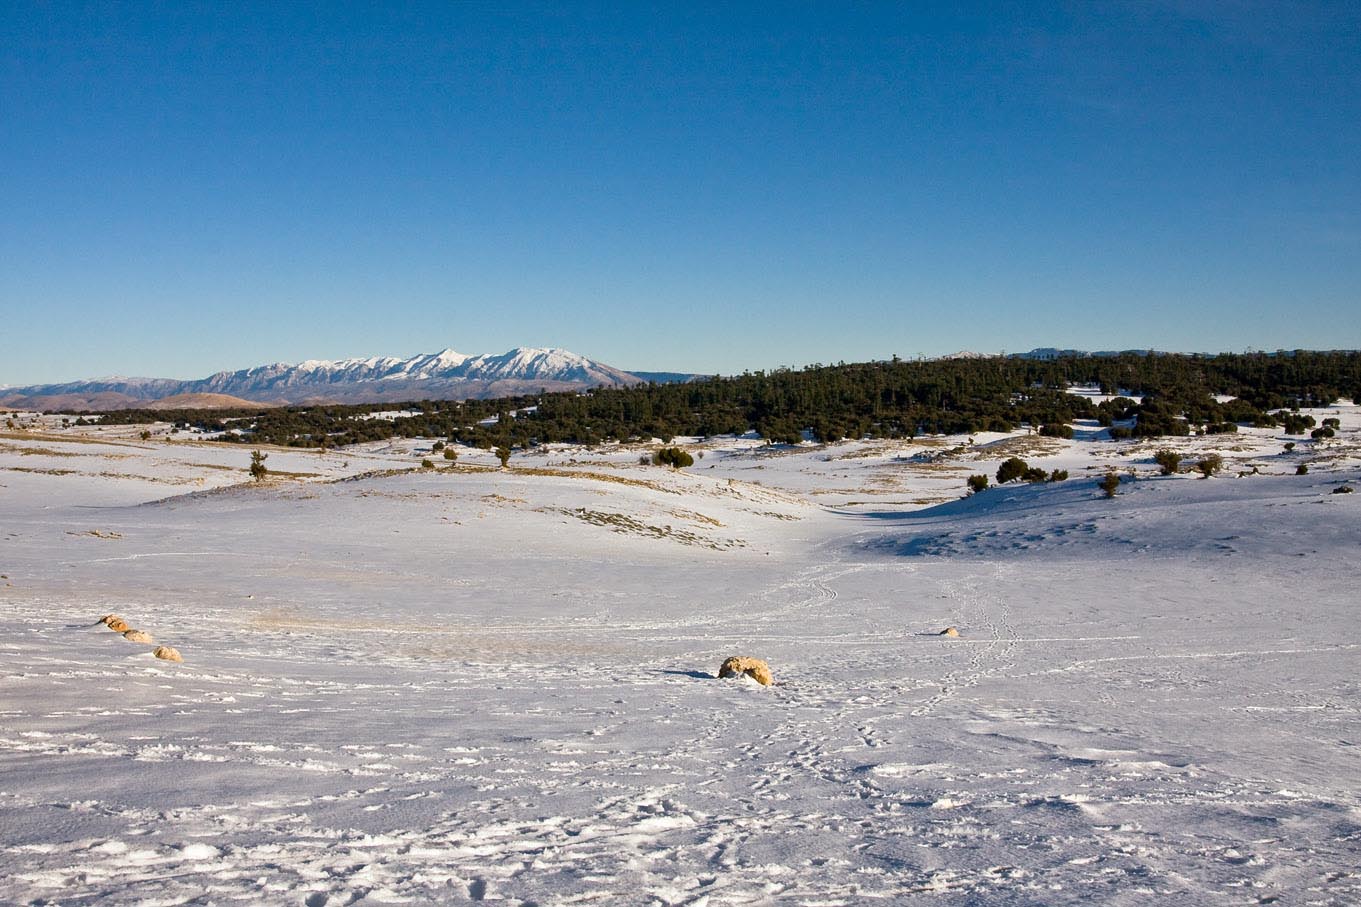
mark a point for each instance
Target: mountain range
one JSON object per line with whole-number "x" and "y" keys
{"x": 446, "y": 375}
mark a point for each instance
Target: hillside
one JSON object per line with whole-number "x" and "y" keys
{"x": 204, "y": 401}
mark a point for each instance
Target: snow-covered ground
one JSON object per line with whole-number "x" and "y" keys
{"x": 442, "y": 686}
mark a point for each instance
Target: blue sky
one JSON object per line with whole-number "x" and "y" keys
{"x": 190, "y": 187}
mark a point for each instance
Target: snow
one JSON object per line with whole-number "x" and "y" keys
{"x": 461, "y": 684}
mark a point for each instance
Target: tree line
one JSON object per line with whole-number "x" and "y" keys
{"x": 893, "y": 399}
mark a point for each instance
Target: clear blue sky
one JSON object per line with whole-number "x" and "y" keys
{"x": 190, "y": 187}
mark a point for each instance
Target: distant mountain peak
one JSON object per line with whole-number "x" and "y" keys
{"x": 447, "y": 374}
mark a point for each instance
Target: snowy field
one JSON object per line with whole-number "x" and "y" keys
{"x": 462, "y": 684}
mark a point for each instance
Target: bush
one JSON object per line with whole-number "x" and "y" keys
{"x": 1342, "y": 489}
{"x": 1211, "y": 464}
{"x": 1011, "y": 468}
{"x": 1109, "y": 484}
{"x": 1058, "y": 475}
{"x": 1294, "y": 423}
{"x": 1332, "y": 423}
{"x": 1056, "y": 430}
{"x": 1289, "y": 446}
{"x": 1169, "y": 460}
{"x": 1120, "y": 433}
{"x": 1034, "y": 474}
{"x": 1320, "y": 434}
{"x": 503, "y": 454}
{"x": 977, "y": 483}
{"x": 427, "y": 464}
{"x": 258, "y": 470}
{"x": 1302, "y": 470}
{"x": 450, "y": 454}
{"x": 673, "y": 457}
{"x": 439, "y": 445}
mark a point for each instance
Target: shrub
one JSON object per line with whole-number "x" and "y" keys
{"x": 1109, "y": 484}
{"x": 1120, "y": 433}
{"x": 674, "y": 457}
{"x": 1319, "y": 434}
{"x": 1210, "y": 465}
{"x": 1289, "y": 446}
{"x": 1294, "y": 423}
{"x": 1058, "y": 475}
{"x": 258, "y": 470}
{"x": 1168, "y": 459}
{"x": 503, "y": 454}
{"x": 145, "y": 436}
{"x": 438, "y": 445}
{"x": 1011, "y": 468}
{"x": 977, "y": 483}
{"x": 1342, "y": 489}
{"x": 1034, "y": 474}
{"x": 427, "y": 464}
{"x": 1302, "y": 470}
{"x": 1332, "y": 423}
{"x": 1056, "y": 430}
{"x": 450, "y": 454}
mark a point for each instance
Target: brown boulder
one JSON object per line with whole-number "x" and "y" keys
{"x": 754, "y": 668}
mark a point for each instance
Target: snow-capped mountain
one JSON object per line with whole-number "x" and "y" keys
{"x": 446, "y": 375}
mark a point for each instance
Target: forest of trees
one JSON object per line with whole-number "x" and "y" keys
{"x": 878, "y": 399}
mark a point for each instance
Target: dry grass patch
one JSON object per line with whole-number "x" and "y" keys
{"x": 1022, "y": 446}
{"x": 627, "y": 525}
{"x": 591, "y": 476}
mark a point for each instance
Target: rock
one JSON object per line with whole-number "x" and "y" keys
{"x": 138, "y": 636}
{"x": 117, "y": 624}
{"x": 168, "y": 653}
{"x": 754, "y": 668}
{"x": 949, "y": 631}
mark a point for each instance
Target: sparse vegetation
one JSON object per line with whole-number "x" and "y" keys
{"x": 1302, "y": 470}
{"x": 977, "y": 483}
{"x": 503, "y": 454}
{"x": 1109, "y": 484}
{"x": 258, "y": 469}
{"x": 1209, "y": 465}
{"x": 674, "y": 457}
{"x": 1169, "y": 461}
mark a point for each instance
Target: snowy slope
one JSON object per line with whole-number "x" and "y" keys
{"x": 408, "y": 686}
